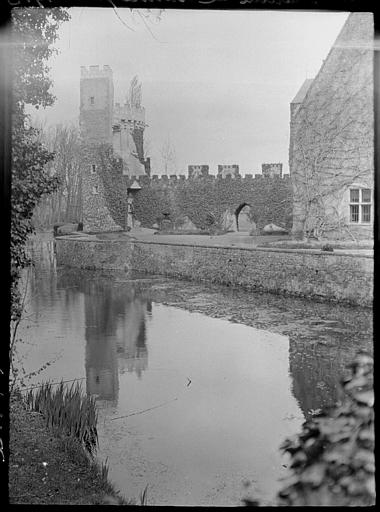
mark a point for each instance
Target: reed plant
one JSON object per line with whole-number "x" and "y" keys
{"x": 68, "y": 411}
{"x": 144, "y": 496}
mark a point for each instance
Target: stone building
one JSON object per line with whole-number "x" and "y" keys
{"x": 118, "y": 191}
{"x": 331, "y": 151}
{"x": 103, "y": 124}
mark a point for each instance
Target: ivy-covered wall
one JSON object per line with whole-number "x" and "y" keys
{"x": 197, "y": 199}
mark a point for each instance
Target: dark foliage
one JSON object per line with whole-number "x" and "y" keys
{"x": 333, "y": 457}
{"x": 34, "y": 32}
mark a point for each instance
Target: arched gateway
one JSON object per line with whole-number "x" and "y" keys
{"x": 244, "y": 221}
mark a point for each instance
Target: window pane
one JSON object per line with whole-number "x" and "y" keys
{"x": 354, "y": 195}
{"x": 366, "y": 195}
{"x": 366, "y": 213}
{"x": 354, "y": 213}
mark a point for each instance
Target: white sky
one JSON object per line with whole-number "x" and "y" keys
{"x": 217, "y": 83}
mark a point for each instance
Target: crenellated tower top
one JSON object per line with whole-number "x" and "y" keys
{"x": 96, "y": 71}
{"x": 96, "y": 104}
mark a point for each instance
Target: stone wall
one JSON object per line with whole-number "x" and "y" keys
{"x": 194, "y": 199}
{"x": 270, "y": 200}
{"x": 94, "y": 254}
{"x": 314, "y": 274}
{"x": 113, "y": 156}
{"x": 332, "y": 133}
{"x": 97, "y": 216}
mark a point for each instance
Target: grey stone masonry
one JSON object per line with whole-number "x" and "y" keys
{"x": 331, "y": 146}
{"x": 342, "y": 277}
{"x": 96, "y": 215}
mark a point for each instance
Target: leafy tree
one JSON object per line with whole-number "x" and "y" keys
{"x": 34, "y": 30}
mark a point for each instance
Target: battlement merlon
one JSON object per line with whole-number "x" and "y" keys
{"x": 96, "y": 71}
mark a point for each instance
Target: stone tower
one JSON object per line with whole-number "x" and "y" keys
{"x": 96, "y": 104}
{"x": 95, "y": 122}
{"x": 110, "y": 128}
{"x": 128, "y": 132}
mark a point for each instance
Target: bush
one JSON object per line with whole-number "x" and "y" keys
{"x": 333, "y": 457}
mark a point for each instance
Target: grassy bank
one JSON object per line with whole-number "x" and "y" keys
{"x": 49, "y": 468}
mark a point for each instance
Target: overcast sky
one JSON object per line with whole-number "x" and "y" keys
{"x": 217, "y": 83}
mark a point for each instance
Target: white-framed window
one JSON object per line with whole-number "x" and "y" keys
{"x": 360, "y": 205}
{"x": 95, "y": 189}
{"x": 93, "y": 169}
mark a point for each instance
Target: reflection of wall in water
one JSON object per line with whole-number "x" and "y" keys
{"x": 40, "y": 278}
{"x": 101, "y": 360}
{"x": 115, "y": 335}
{"x": 316, "y": 370}
{"x": 131, "y": 342}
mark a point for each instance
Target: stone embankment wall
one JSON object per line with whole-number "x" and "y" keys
{"x": 309, "y": 273}
{"x": 94, "y": 254}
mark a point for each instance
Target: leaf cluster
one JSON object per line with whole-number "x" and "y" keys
{"x": 34, "y": 32}
{"x": 332, "y": 459}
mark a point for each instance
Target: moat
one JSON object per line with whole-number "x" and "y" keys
{"x": 197, "y": 385}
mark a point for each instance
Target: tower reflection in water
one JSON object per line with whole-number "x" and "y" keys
{"x": 115, "y": 336}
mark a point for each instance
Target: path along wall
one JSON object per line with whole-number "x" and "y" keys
{"x": 309, "y": 273}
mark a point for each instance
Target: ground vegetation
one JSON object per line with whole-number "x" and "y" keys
{"x": 48, "y": 467}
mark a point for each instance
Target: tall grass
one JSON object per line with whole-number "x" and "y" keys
{"x": 67, "y": 410}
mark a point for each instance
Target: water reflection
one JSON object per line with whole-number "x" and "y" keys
{"x": 323, "y": 337}
{"x": 316, "y": 372}
{"x": 101, "y": 358}
{"x": 249, "y": 389}
{"x": 115, "y": 331}
{"x": 131, "y": 345}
